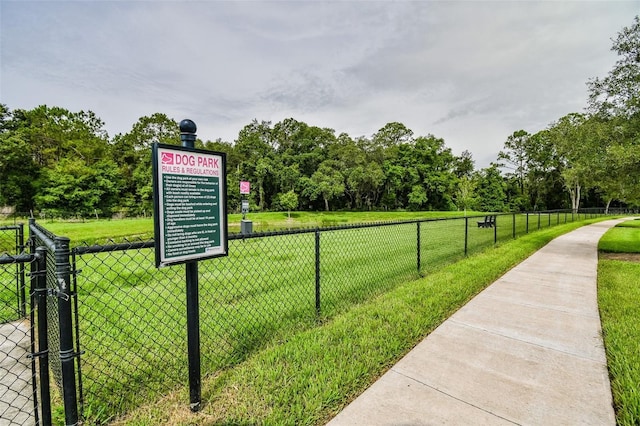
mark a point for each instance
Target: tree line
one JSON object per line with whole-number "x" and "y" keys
{"x": 59, "y": 161}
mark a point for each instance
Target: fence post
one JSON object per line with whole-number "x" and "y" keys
{"x": 418, "y": 235}
{"x": 21, "y": 281}
{"x": 466, "y": 234}
{"x": 527, "y": 226}
{"x": 67, "y": 354}
{"x": 317, "y": 272}
{"x": 538, "y": 221}
{"x": 39, "y": 289}
{"x": 514, "y": 225}
{"x": 495, "y": 229}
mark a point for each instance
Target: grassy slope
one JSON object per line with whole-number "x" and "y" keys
{"x": 624, "y": 238}
{"x": 307, "y": 377}
{"x": 618, "y": 296}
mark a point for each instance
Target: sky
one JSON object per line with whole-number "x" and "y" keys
{"x": 469, "y": 72}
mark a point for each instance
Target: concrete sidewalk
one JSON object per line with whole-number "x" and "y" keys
{"x": 527, "y": 350}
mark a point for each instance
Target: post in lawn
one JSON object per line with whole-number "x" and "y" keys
{"x": 188, "y": 137}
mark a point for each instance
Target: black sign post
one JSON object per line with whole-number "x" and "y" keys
{"x": 188, "y": 138}
{"x": 190, "y": 220}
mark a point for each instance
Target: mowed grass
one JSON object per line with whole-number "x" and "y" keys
{"x": 305, "y": 376}
{"x": 619, "y": 302}
{"x": 624, "y": 238}
{"x": 132, "y": 316}
{"x": 93, "y": 231}
{"x": 10, "y": 291}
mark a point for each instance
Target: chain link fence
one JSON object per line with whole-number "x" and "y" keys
{"x": 22, "y": 364}
{"x": 16, "y": 371}
{"x": 127, "y": 337}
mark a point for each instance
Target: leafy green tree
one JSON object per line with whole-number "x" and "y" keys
{"x": 288, "y": 177}
{"x": 36, "y": 140}
{"x": 618, "y": 94}
{"x": 464, "y": 165}
{"x": 19, "y": 174}
{"x": 73, "y": 186}
{"x": 577, "y": 146}
{"x": 615, "y": 102}
{"x": 364, "y": 184}
{"x": 417, "y": 197}
{"x": 490, "y": 189}
{"x": 264, "y": 170}
{"x": 327, "y": 182}
{"x": 132, "y": 153}
{"x": 289, "y": 201}
{"x": 465, "y": 194}
{"x": 516, "y": 158}
{"x": 301, "y": 144}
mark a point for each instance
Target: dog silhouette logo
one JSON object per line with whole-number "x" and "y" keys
{"x": 167, "y": 158}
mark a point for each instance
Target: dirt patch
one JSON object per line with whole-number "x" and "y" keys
{"x": 626, "y": 257}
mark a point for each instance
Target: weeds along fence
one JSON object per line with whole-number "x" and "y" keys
{"x": 119, "y": 324}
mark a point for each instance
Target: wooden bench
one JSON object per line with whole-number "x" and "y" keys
{"x": 489, "y": 222}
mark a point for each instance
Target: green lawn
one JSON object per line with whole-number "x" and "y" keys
{"x": 132, "y": 315}
{"x": 624, "y": 238}
{"x": 619, "y": 302}
{"x": 305, "y": 376}
{"x": 99, "y": 231}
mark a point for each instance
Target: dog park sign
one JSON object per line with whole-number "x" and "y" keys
{"x": 190, "y": 216}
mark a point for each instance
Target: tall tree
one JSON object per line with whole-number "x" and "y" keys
{"x": 464, "y": 165}
{"x": 327, "y": 182}
{"x": 516, "y": 158}
{"x": 615, "y": 101}
{"x": 577, "y": 145}
{"x": 618, "y": 94}
{"x": 132, "y": 153}
{"x": 490, "y": 189}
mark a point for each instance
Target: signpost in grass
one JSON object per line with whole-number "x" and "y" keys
{"x": 190, "y": 223}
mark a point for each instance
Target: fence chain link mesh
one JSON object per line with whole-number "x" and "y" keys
{"x": 131, "y": 316}
{"x": 17, "y": 369}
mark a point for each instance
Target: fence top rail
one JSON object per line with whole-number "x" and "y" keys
{"x": 127, "y": 245}
{"x": 7, "y": 259}
{"x": 10, "y": 227}
{"x": 136, "y": 245}
{"x": 42, "y": 234}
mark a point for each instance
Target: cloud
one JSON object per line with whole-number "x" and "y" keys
{"x": 469, "y": 72}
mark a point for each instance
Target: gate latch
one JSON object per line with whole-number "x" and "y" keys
{"x": 57, "y": 293}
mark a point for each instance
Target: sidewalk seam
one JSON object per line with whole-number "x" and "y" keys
{"x": 529, "y": 342}
{"x": 453, "y": 397}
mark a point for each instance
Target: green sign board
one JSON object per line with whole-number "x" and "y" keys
{"x": 190, "y": 201}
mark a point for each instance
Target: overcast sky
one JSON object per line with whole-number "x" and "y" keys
{"x": 470, "y": 72}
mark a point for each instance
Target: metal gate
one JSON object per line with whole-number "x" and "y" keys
{"x": 24, "y": 370}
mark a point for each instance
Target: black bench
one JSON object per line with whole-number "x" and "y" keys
{"x": 489, "y": 222}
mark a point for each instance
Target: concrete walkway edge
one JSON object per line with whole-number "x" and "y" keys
{"x": 527, "y": 350}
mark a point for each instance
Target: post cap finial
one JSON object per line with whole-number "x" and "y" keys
{"x": 187, "y": 126}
